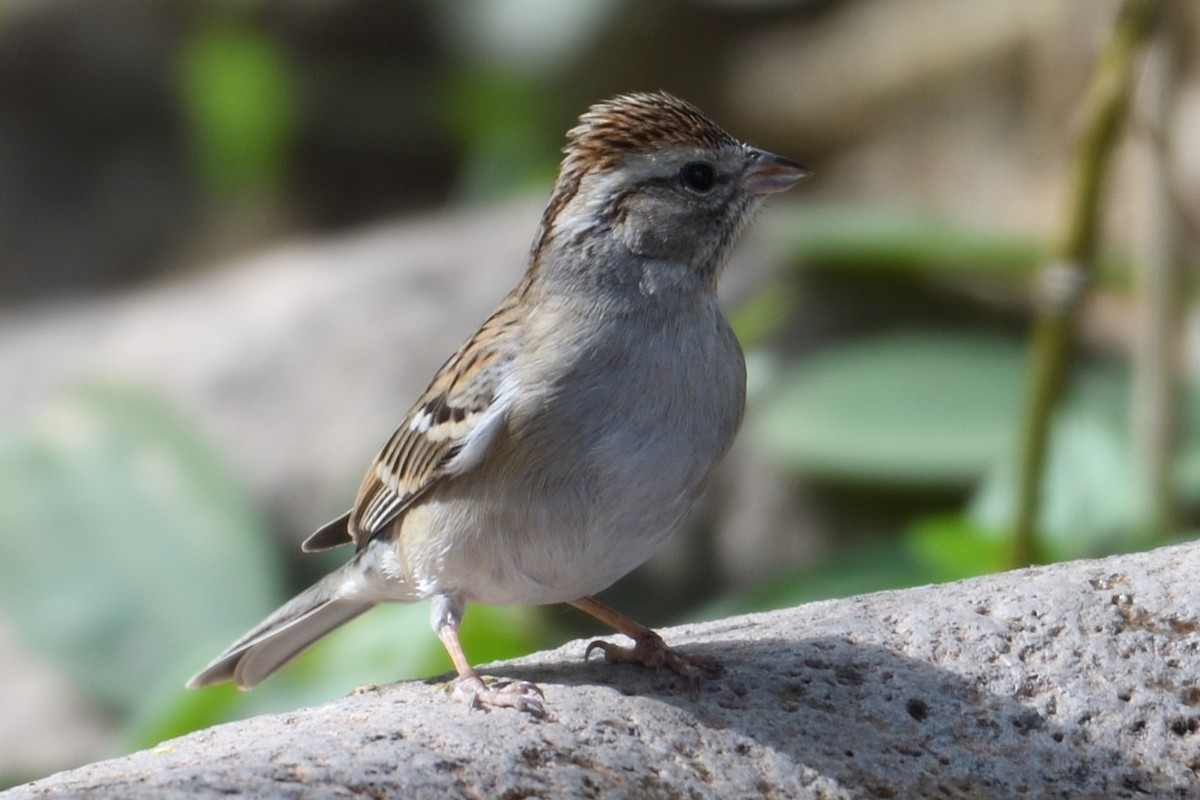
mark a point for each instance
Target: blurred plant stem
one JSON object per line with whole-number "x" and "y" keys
{"x": 1159, "y": 282}
{"x": 1066, "y": 277}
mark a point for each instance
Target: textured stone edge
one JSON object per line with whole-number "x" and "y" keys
{"x": 1073, "y": 680}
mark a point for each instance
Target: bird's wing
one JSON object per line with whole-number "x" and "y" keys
{"x": 445, "y": 434}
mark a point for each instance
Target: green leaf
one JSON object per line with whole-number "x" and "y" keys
{"x": 859, "y": 239}
{"x": 908, "y": 409}
{"x": 169, "y": 710}
{"x": 241, "y": 102}
{"x": 876, "y": 565}
{"x": 1090, "y": 500}
{"x": 125, "y": 545}
{"x": 953, "y": 547}
{"x": 763, "y": 315}
{"x": 1187, "y": 473}
{"x": 934, "y": 550}
{"x": 885, "y": 240}
{"x": 503, "y": 121}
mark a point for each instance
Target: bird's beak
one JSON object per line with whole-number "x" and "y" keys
{"x": 767, "y": 173}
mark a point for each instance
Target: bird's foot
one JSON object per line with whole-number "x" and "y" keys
{"x": 651, "y": 651}
{"x": 521, "y": 695}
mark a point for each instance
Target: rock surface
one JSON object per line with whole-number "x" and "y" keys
{"x": 1074, "y": 680}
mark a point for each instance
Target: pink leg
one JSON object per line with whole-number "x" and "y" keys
{"x": 469, "y": 688}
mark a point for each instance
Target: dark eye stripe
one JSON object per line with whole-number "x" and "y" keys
{"x": 672, "y": 181}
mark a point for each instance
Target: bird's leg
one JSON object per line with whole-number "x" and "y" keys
{"x": 648, "y": 647}
{"x": 469, "y": 688}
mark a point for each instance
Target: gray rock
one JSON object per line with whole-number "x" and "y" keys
{"x": 1074, "y": 680}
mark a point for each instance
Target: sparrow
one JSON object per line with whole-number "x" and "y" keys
{"x": 557, "y": 449}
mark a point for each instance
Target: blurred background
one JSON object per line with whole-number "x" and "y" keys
{"x": 238, "y": 237}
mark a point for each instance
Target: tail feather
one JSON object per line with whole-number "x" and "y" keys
{"x": 330, "y": 535}
{"x": 276, "y": 640}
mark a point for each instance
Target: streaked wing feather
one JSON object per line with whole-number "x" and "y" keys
{"x": 461, "y": 412}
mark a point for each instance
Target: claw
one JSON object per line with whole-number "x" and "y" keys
{"x": 521, "y": 695}
{"x": 651, "y": 651}
{"x": 598, "y": 644}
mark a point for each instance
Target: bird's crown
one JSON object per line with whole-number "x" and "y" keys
{"x": 640, "y": 122}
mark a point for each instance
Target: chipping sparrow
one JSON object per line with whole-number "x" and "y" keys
{"x": 558, "y": 448}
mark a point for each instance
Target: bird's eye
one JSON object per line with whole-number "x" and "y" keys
{"x": 698, "y": 176}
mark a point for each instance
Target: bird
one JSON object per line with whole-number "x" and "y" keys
{"x": 558, "y": 447}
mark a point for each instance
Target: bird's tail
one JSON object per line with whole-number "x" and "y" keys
{"x": 276, "y": 640}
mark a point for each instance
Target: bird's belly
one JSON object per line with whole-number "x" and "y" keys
{"x": 550, "y": 544}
